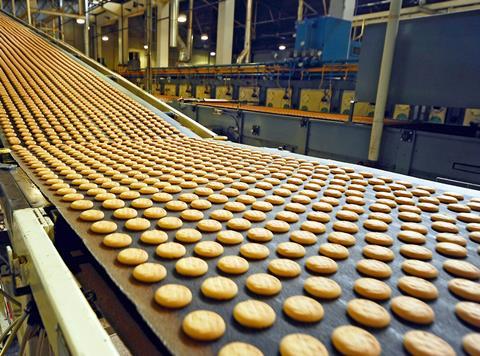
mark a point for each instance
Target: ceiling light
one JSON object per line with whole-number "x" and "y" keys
{"x": 182, "y": 18}
{"x": 212, "y": 54}
{"x": 104, "y": 38}
{"x": 145, "y": 46}
{"x": 204, "y": 37}
{"x": 282, "y": 47}
{"x": 80, "y": 21}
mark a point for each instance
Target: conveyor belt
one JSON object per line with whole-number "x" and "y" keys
{"x": 288, "y": 112}
{"x": 71, "y": 130}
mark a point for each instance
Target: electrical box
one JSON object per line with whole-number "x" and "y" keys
{"x": 315, "y": 100}
{"x": 170, "y": 89}
{"x": 279, "y": 98}
{"x": 249, "y": 95}
{"x": 185, "y": 91}
{"x": 361, "y": 108}
{"x": 326, "y": 35}
{"x": 471, "y": 116}
{"x": 224, "y": 92}
{"x": 401, "y": 112}
{"x": 203, "y": 92}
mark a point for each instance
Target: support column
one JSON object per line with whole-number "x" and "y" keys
{"x": 60, "y": 21}
{"x": 225, "y": 28}
{"x": 86, "y": 31}
{"x": 162, "y": 34}
{"x": 148, "y": 75}
{"x": 342, "y": 9}
{"x": 98, "y": 36}
{"x": 29, "y": 11}
{"x": 13, "y": 8}
{"x": 384, "y": 80}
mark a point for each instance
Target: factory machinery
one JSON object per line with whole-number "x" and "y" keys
{"x": 97, "y": 181}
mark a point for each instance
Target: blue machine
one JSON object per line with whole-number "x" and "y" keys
{"x": 326, "y": 35}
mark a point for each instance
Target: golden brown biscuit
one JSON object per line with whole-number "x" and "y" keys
{"x": 374, "y": 268}
{"x": 321, "y": 264}
{"x": 103, "y": 227}
{"x": 380, "y": 253}
{"x": 229, "y": 237}
{"x": 301, "y": 344}
{"x": 419, "y": 342}
{"x": 203, "y": 325}
{"x": 465, "y": 288}
{"x": 233, "y": 264}
{"x": 283, "y": 267}
{"x": 169, "y": 223}
{"x": 219, "y": 288}
{"x": 378, "y": 238}
{"x": 137, "y": 224}
{"x": 208, "y": 249}
{"x": 173, "y": 296}
{"x": 303, "y": 309}
{"x": 420, "y": 269}
{"x": 451, "y": 250}
{"x": 354, "y": 341}
{"x": 368, "y": 313}
{"x": 322, "y": 287}
{"x": 335, "y": 251}
{"x": 254, "y": 314}
{"x": 469, "y": 312}
{"x": 91, "y": 215}
{"x": 418, "y": 287}
{"x": 263, "y": 284}
{"x": 132, "y": 256}
{"x": 471, "y": 344}
{"x": 254, "y": 251}
{"x": 153, "y": 237}
{"x": 170, "y": 250}
{"x": 191, "y": 266}
{"x": 372, "y": 289}
{"x": 149, "y": 272}
{"x": 462, "y": 269}
{"x": 413, "y": 310}
{"x": 117, "y": 240}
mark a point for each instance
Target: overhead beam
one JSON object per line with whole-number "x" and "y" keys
{"x": 58, "y": 13}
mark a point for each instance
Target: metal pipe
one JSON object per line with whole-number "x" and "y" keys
{"x": 60, "y": 20}
{"x": 149, "y": 46}
{"x": 29, "y": 11}
{"x": 384, "y": 80}
{"x": 86, "y": 31}
{"x": 190, "y": 31}
{"x": 300, "y": 11}
{"x": 13, "y": 8}
{"x": 174, "y": 4}
{"x": 245, "y": 54}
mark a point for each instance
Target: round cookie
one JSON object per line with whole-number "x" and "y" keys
{"x": 321, "y": 264}
{"x": 209, "y": 225}
{"x": 188, "y": 235}
{"x": 154, "y": 212}
{"x": 371, "y": 288}
{"x": 237, "y": 348}
{"x": 420, "y": 269}
{"x": 345, "y": 226}
{"x": 153, "y": 237}
{"x": 125, "y": 213}
{"x": 303, "y": 237}
{"x": 173, "y": 296}
{"x": 117, "y": 240}
{"x": 283, "y": 267}
{"x": 451, "y": 250}
{"x": 137, "y": 224}
{"x": 411, "y": 237}
{"x": 374, "y": 268}
{"x": 191, "y": 267}
{"x": 229, "y": 237}
{"x": 413, "y": 310}
{"x": 375, "y": 225}
{"x": 239, "y": 224}
{"x": 260, "y": 234}
{"x": 341, "y": 238}
{"x": 290, "y": 250}
{"x": 462, "y": 269}
{"x": 469, "y": 312}
{"x": 91, "y": 215}
{"x": 303, "y": 309}
{"x": 233, "y": 264}
{"x": 417, "y": 287}
{"x": 203, "y": 325}
{"x": 335, "y": 251}
{"x": 355, "y": 341}
{"x": 254, "y": 251}
{"x": 191, "y": 215}
{"x": 219, "y": 288}
{"x": 254, "y": 314}
{"x": 81, "y": 205}
{"x": 277, "y": 226}
{"x": 378, "y": 238}
{"x": 103, "y": 227}
{"x": 149, "y": 272}
{"x": 465, "y": 288}
{"x": 301, "y": 344}
{"x": 208, "y": 249}
{"x": 380, "y": 253}
{"x": 368, "y": 313}
{"x": 419, "y": 342}
{"x": 263, "y": 284}
{"x": 471, "y": 344}
{"x": 170, "y": 250}
{"x": 322, "y": 287}
{"x": 169, "y": 223}
{"x": 415, "y": 252}
{"x": 132, "y": 256}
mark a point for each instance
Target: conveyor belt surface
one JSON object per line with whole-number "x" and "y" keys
{"x": 80, "y": 140}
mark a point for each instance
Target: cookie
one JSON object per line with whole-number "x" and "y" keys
{"x": 254, "y": 251}
{"x": 233, "y": 265}
{"x": 303, "y": 309}
{"x": 81, "y": 204}
{"x": 208, "y": 249}
{"x": 380, "y": 253}
{"x": 455, "y": 239}
{"x": 354, "y": 341}
{"x": 341, "y": 238}
{"x": 345, "y": 226}
{"x": 103, "y": 227}
{"x": 125, "y": 213}
{"x": 442, "y": 226}
{"x": 321, "y": 287}
{"x": 188, "y": 235}
{"x": 169, "y": 223}
{"x": 191, "y": 215}
{"x": 137, "y": 224}
{"x": 170, "y": 250}
{"x": 221, "y": 215}
{"x": 418, "y": 287}
{"x": 462, "y": 269}
{"x": 368, "y": 313}
{"x": 419, "y": 342}
{"x": 117, "y": 240}
{"x": 375, "y": 225}
{"x": 465, "y": 288}
{"x": 260, "y": 234}
{"x": 91, "y": 215}
{"x": 153, "y": 237}
{"x": 254, "y": 314}
{"x": 229, "y": 237}
{"x": 254, "y": 215}
{"x": 415, "y": 252}
{"x": 471, "y": 344}
{"x": 469, "y": 312}
{"x": 451, "y": 250}
{"x": 321, "y": 264}
{"x": 378, "y": 238}
{"x": 335, "y": 251}
{"x": 420, "y": 269}
{"x": 191, "y": 266}
{"x": 132, "y": 256}
{"x": 303, "y": 237}
{"x": 237, "y": 348}
{"x": 413, "y": 310}
{"x": 301, "y": 344}
{"x": 371, "y": 288}
{"x": 411, "y": 237}
{"x": 283, "y": 267}
{"x": 143, "y": 203}
{"x": 263, "y": 284}
{"x": 149, "y": 272}
{"x": 113, "y": 204}
{"x": 290, "y": 250}
{"x": 277, "y": 226}
{"x": 154, "y": 213}
{"x": 219, "y": 288}
{"x": 203, "y": 325}
{"x": 374, "y": 268}
{"x": 173, "y": 296}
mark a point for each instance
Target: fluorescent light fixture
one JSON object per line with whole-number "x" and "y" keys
{"x": 80, "y": 21}
{"x": 212, "y": 54}
{"x": 282, "y": 47}
{"x": 182, "y": 18}
{"x": 104, "y": 38}
{"x": 204, "y": 37}
{"x": 145, "y": 46}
